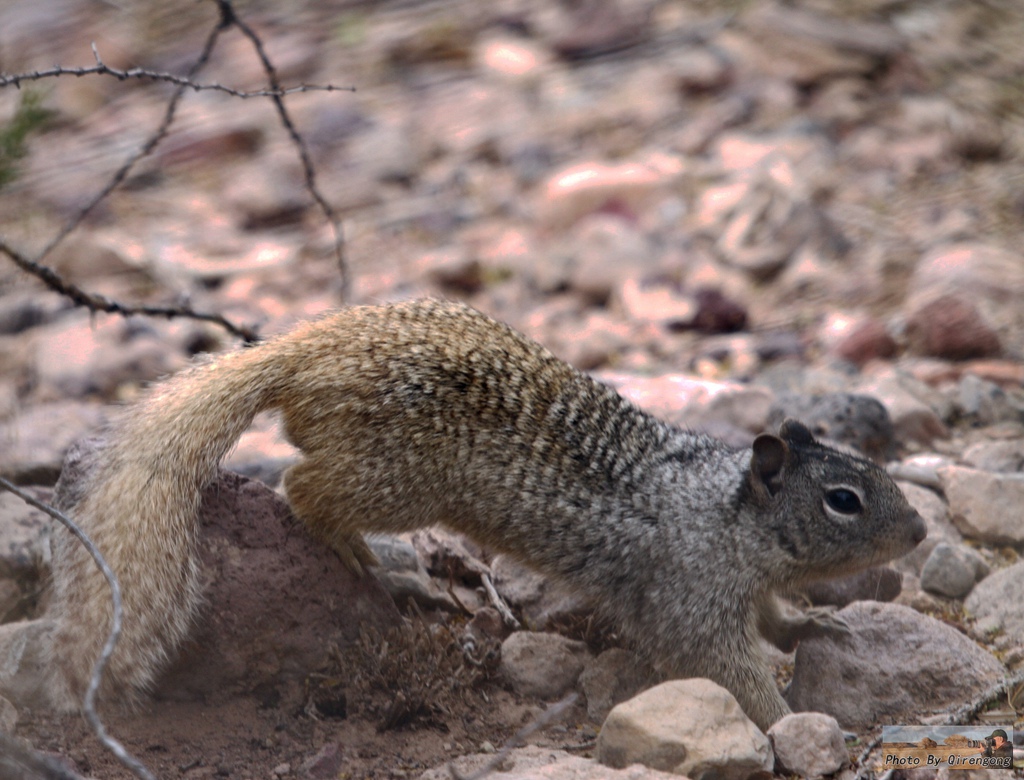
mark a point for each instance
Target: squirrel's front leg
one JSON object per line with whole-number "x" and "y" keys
{"x": 785, "y": 630}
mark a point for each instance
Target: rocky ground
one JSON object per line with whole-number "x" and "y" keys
{"x": 732, "y": 212}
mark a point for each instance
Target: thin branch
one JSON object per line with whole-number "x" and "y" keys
{"x": 89, "y": 705}
{"x": 96, "y": 302}
{"x": 102, "y": 69}
{"x": 122, "y": 173}
{"x": 229, "y": 16}
{"x": 499, "y": 602}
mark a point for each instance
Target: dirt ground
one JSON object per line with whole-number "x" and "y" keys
{"x": 241, "y": 738}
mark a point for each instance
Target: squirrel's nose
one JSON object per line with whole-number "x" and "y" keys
{"x": 918, "y": 529}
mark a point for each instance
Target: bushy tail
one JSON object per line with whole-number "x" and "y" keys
{"x": 139, "y": 504}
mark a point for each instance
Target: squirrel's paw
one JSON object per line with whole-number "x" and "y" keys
{"x": 808, "y": 624}
{"x": 354, "y": 552}
{"x": 823, "y": 621}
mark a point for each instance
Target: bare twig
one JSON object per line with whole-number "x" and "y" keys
{"x": 546, "y": 718}
{"x": 277, "y": 96}
{"x": 499, "y": 602}
{"x": 89, "y": 705}
{"x": 228, "y": 18}
{"x": 102, "y": 69}
{"x": 121, "y": 173}
{"x": 97, "y": 302}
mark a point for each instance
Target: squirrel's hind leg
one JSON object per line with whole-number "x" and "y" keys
{"x": 318, "y": 502}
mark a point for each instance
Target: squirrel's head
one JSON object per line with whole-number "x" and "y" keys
{"x": 828, "y": 512}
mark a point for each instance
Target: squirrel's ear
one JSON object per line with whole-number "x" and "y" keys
{"x": 769, "y": 459}
{"x": 795, "y": 432}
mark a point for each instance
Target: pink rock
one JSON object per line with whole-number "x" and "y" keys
{"x": 865, "y": 341}
{"x": 952, "y": 328}
{"x": 591, "y": 186}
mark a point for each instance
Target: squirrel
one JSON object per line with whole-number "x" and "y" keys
{"x": 429, "y": 412}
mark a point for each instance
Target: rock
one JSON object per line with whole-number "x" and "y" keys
{"x": 449, "y": 554}
{"x": 698, "y": 70}
{"x": 717, "y": 313}
{"x": 706, "y": 310}
{"x": 23, "y": 668}
{"x": 809, "y": 744}
{"x": 936, "y": 517}
{"x": 543, "y": 603}
{"x": 539, "y": 763}
{"x": 692, "y": 402}
{"x": 979, "y": 272}
{"x": 896, "y": 666}
{"x": 867, "y": 340}
{"x": 986, "y": 403}
{"x": 516, "y": 60}
{"x": 262, "y": 623}
{"x": 1002, "y": 456}
{"x": 909, "y": 404}
{"x": 594, "y": 27}
{"x": 985, "y": 505}
{"x": 8, "y": 716}
{"x": 607, "y": 251}
{"x": 952, "y": 328}
{"x": 952, "y": 571}
{"x": 24, "y": 538}
{"x": 543, "y": 666}
{"x": 326, "y": 764}
{"x": 809, "y": 47}
{"x": 613, "y": 677}
{"x": 688, "y": 727}
{"x": 403, "y": 575}
{"x": 587, "y": 187}
{"x": 265, "y": 196}
{"x": 859, "y": 421}
{"x": 879, "y": 583}
{"x": 920, "y": 469}
{"x": 386, "y": 153}
{"x": 997, "y": 604}
{"x": 75, "y": 356}
{"x": 35, "y": 442}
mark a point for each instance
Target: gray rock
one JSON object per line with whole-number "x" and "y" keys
{"x": 951, "y": 571}
{"x": 33, "y": 444}
{"x": 896, "y": 666}
{"x": 1003, "y": 456}
{"x": 8, "y": 716}
{"x": 23, "y": 670}
{"x": 539, "y": 763}
{"x": 24, "y": 538}
{"x": 986, "y": 402}
{"x": 542, "y": 602}
{"x": 879, "y": 583}
{"x": 688, "y": 727}
{"x": 403, "y": 576}
{"x": 997, "y": 604}
{"x": 985, "y": 505}
{"x": 858, "y": 421}
{"x": 613, "y": 677}
{"x": 809, "y": 744}
{"x": 917, "y": 411}
{"x": 543, "y": 666}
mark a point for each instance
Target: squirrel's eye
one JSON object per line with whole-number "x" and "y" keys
{"x": 843, "y": 501}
